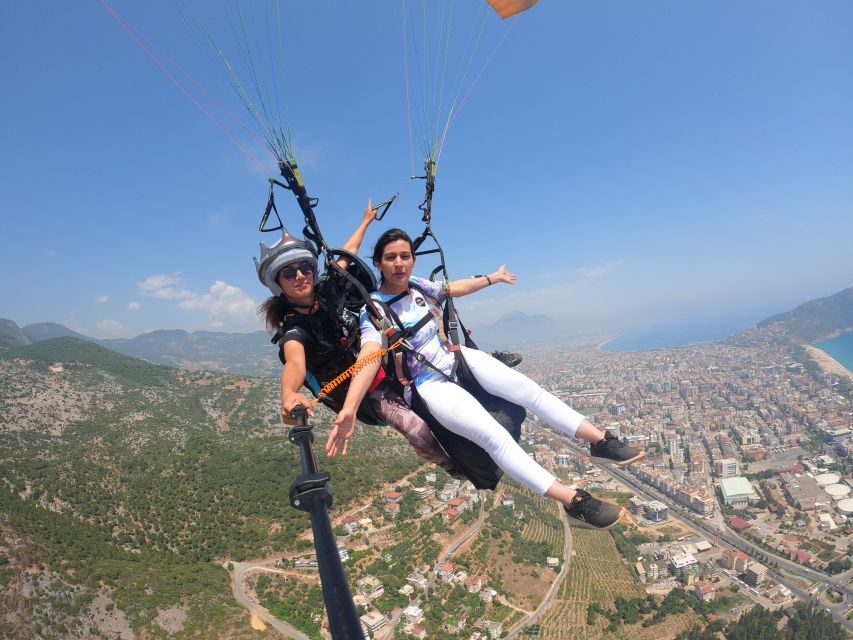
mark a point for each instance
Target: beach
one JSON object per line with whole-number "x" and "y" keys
{"x": 827, "y": 363}
{"x": 600, "y": 345}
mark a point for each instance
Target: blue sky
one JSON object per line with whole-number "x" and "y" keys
{"x": 635, "y": 163}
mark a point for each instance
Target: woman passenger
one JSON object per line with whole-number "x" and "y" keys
{"x": 455, "y": 408}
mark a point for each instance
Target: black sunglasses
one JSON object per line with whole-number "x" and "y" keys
{"x": 289, "y": 272}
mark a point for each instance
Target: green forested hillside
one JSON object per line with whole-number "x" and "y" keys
{"x": 83, "y": 354}
{"x": 817, "y": 319}
{"x": 135, "y": 482}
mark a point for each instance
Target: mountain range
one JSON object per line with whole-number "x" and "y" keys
{"x": 238, "y": 353}
{"x": 246, "y": 353}
{"x": 252, "y": 353}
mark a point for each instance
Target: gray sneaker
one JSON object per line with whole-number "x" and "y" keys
{"x": 509, "y": 358}
{"x": 610, "y": 450}
{"x": 591, "y": 513}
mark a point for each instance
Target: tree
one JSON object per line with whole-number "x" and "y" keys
{"x": 809, "y": 622}
{"x": 757, "y": 624}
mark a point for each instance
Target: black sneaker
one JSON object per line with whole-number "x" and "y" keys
{"x": 509, "y": 358}
{"x": 611, "y": 451}
{"x": 591, "y": 513}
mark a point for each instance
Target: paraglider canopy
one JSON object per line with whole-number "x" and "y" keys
{"x": 507, "y": 8}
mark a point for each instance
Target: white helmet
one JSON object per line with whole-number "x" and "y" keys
{"x": 283, "y": 252}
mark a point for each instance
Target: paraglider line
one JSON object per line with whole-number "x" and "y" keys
{"x": 406, "y": 82}
{"x": 476, "y": 79}
{"x": 130, "y": 31}
{"x": 217, "y": 103}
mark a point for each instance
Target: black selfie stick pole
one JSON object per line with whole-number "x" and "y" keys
{"x": 310, "y": 492}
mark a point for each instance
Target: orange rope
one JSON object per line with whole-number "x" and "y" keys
{"x": 357, "y": 366}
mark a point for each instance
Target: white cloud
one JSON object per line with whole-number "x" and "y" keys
{"x": 164, "y": 287}
{"x": 158, "y": 281}
{"x": 50, "y": 253}
{"x": 226, "y": 305}
{"x": 110, "y": 328}
{"x": 222, "y": 300}
{"x": 102, "y": 299}
{"x": 600, "y": 270}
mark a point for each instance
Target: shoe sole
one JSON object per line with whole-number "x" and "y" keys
{"x": 623, "y": 463}
{"x": 581, "y": 524}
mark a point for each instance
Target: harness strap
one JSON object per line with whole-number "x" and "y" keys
{"x": 451, "y": 320}
{"x": 402, "y": 334}
{"x": 271, "y": 208}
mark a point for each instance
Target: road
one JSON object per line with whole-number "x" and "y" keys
{"x": 454, "y": 545}
{"x": 555, "y": 586}
{"x": 238, "y": 587}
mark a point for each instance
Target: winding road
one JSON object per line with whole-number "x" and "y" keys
{"x": 241, "y": 569}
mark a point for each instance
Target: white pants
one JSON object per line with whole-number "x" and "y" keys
{"x": 460, "y": 412}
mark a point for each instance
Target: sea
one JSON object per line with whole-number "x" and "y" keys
{"x": 840, "y": 348}
{"x": 678, "y": 335}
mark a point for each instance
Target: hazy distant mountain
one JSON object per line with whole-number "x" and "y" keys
{"x": 517, "y": 329}
{"x": 253, "y": 354}
{"x": 248, "y": 353}
{"x": 817, "y": 319}
{"x": 47, "y": 330}
{"x": 11, "y": 334}
{"x": 239, "y": 353}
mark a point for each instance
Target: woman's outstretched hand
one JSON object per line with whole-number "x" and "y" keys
{"x": 502, "y": 275}
{"x": 370, "y": 212}
{"x": 341, "y": 432}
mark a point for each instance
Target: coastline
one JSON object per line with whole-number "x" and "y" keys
{"x": 827, "y": 363}
{"x": 600, "y": 345}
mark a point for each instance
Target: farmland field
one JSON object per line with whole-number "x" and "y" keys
{"x": 598, "y": 574}
{"x": 542, "y": 520}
